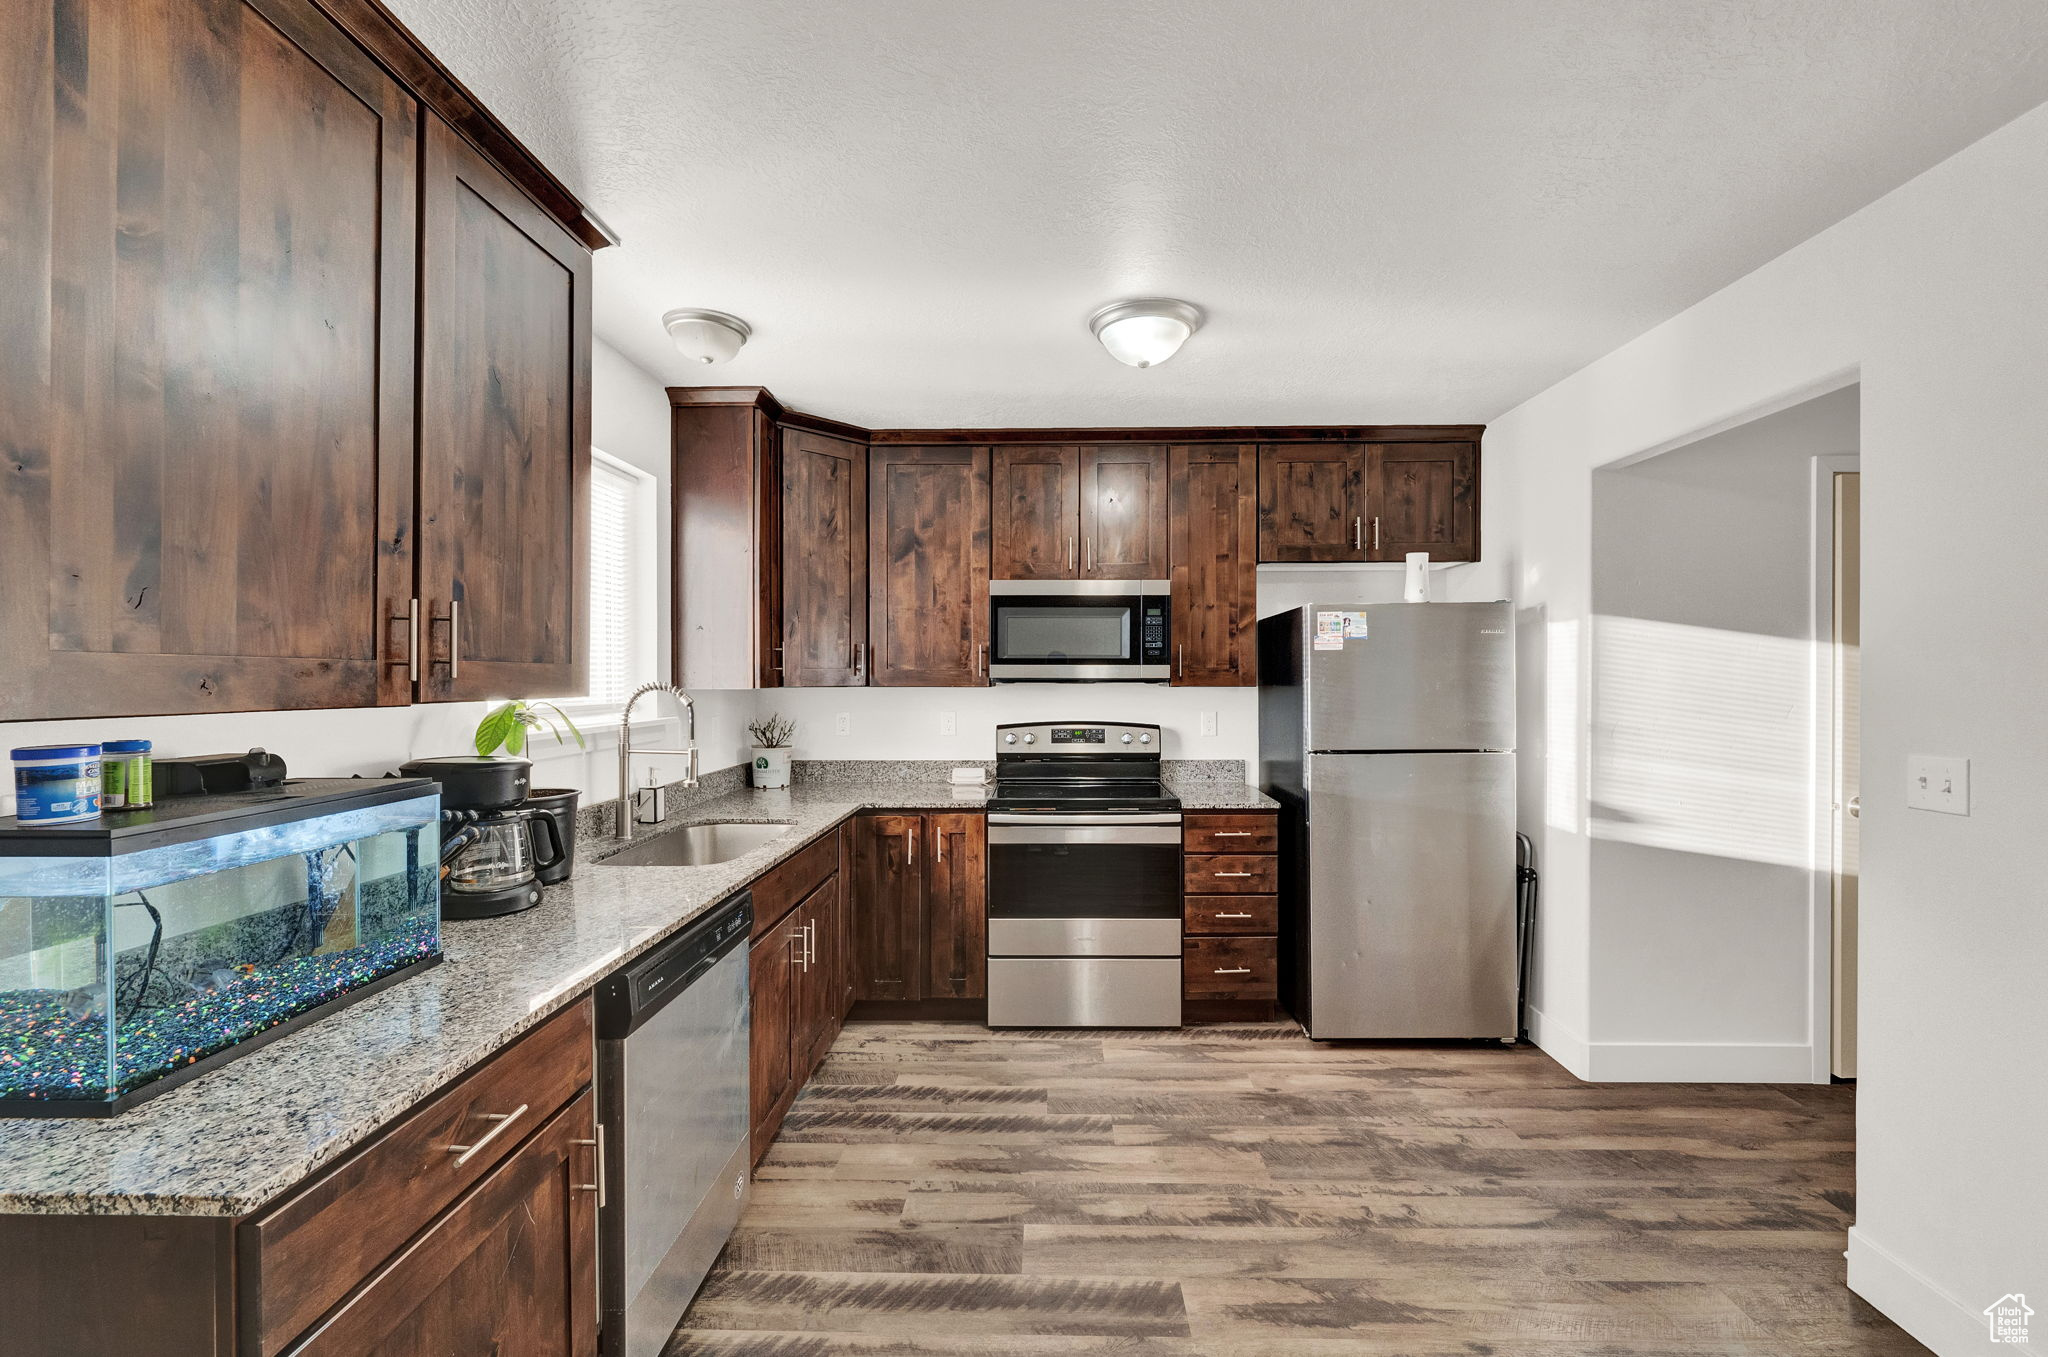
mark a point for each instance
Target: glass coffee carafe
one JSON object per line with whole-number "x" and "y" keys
{"x": 498, "y": 872}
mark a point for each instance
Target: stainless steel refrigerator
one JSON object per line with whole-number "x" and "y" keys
{"x": 1387, "y": 731}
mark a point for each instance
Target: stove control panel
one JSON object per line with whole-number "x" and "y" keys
{"x": 1063, "y": 738}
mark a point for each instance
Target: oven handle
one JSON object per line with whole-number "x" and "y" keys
{"x": 1165, "y": 817}
{"x": 1000, "y": 836}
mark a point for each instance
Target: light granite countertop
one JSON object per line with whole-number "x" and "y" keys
{"x": 235, "y": 1138}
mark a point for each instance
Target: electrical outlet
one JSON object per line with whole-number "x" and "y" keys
{"x": 1208, "y": 723}
{"x": 1937, "y": 782}
{"x": 845, "y": 723}
{"x": 948, "y": 724}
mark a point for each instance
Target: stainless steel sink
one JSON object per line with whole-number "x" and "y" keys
{"x": 697, "y": 846}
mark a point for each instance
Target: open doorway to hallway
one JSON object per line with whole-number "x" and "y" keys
{"x": 1721, "y": 747}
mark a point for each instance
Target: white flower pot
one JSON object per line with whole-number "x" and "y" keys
{"x": 770, "y": 767}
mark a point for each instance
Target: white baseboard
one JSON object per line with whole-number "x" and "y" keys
{"x": 1949, "y": 1326}
{"x": 1560, "y": 1043}
{"x": 1684, "y": 1062}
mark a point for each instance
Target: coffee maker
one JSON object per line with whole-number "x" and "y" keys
{"x": 498, "y": 846}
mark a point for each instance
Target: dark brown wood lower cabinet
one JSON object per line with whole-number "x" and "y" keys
{"x": 1230, "y": 917}
{"x": 510, "y": 1270}
{"x": 772, "y": 975}
{"x": 955, "y": 929}
{"x": 887, "y": 918}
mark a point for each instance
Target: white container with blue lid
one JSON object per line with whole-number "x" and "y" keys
{"x": 57, "y": 784}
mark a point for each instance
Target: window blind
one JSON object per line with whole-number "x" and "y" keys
{"x": 613, "y": 550}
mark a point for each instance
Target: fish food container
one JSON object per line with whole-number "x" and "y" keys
{"x": 57, "y": 784}
{"x": 149, "y": 946}
{"x": 127, "y": 775}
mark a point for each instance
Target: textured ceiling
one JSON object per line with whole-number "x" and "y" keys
{"x": 1392, "y": 210}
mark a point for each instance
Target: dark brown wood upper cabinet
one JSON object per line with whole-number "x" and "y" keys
{"x": 928, "y": 566}
{"x": 1123, "y": 512}
{"x": 1425, "y": 497}
{"x": 1215, "y": 564}
{"x": 1035, "y": 512}
{"x": 1312, "y": 502}
{"x": 725, "y": 562}
{"x": 206, "y": 357}
{"x": 504, "y": 449}
{"x": 824, "y": 529}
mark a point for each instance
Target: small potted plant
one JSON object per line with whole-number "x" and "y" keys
{"x": 772, "y": 735}
{"x": 505, "y": 727}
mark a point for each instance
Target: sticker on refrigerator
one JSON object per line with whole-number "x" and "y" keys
{"x": 1354, "y": 626}
{"x": 1329, "y": 631}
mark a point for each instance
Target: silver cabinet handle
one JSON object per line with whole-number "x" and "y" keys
{"x": 1072, "y": 559}
{"x": 412, "y": 639}
{"x": 860, "y": 659}
{"x": 1180, "y": 661}
{"x": 1230, "y": 873}
{"x": 1375, "y": 532}
{"x": 1233, "y": 970}
{"x": 910, "y": 847}
{"x": 598, "y": 1144}
{"x": 938, "y": 844}
{"x": 1230, "y": 833}
{"x": 454, "y": 639}
{"x": 1233, "y": 916}
{"x": 464, "y": 1153}
{"x": 1358, "y": 534}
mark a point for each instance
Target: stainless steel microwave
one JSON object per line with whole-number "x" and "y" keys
{"x": 1079, "y": 630}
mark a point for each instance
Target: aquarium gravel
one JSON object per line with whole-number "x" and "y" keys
{"x": 48, "y": 1051}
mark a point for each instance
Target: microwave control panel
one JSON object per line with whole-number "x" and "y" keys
{"x": 1152, "y": 632}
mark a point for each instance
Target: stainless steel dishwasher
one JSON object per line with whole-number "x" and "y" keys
{"x": 672, "y": 1034}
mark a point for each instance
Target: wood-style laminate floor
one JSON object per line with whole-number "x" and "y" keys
{"x": 943, "y": 1189}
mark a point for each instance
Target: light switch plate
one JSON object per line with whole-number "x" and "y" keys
{"x": 1208, "y": 723}
{"x": 948, "y": 725}
{"x": 1937, "y": 782}
{"x": 845, "y": 726}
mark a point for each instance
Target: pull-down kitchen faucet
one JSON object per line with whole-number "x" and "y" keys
{"x": 624, "y": 829}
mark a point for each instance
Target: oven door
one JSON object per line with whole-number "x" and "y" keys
{"x": 1068, "y": 630}
{"x": 1078, "y": 884}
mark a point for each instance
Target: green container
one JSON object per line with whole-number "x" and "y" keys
{"x": 127, "y": 775}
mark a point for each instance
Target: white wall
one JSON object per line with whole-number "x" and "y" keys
{"x": 1702, "y": 781}
{"x": 1937, "y": 296}
{"x": 629, "y": 419}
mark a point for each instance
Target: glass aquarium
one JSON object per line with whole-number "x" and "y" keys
{"x": 146, "y": 947}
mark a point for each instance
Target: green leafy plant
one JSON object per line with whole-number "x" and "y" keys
{"x": 772, "y": 732}
{"x": 505, "y": 727}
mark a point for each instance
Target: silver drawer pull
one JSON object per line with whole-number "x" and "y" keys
{"x": 1230, "y": 833}
{"x": 465, "y": 1153}
{"x": 1230, "y": 874}
{"x": 1233, "y": 970}
{"x": 596, "y": 1144}
{"x": 1233, "y": 916}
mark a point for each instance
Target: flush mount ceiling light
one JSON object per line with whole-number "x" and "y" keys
{"x": 706, "y": 336}
{"x": 1145, "y": 332}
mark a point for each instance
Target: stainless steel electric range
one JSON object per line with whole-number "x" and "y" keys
{"x": 1084, "y": 879}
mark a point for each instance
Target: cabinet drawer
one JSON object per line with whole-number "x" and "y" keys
{"x": 305, "y": 1255}
{"x": 1232, "y": 914}
{"x": 1231, "y": 833}
{"x": 1230, "y": 968}
{"x": 777, "y": 891}
{"x": 1230, "y": 874}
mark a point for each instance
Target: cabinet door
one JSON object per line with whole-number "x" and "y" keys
{"x": 886, "y": 922}
{"x": 956, "y": 907}
{"x": 1123, "y": 512}
{"x": 820, "y": 983}
{"x": 504, "y": 436}
{"x": 928, "y": 566}
{"x": 824, "y": 561}
{"x": 1035, "y": 513}
{"x": 206, "y": 358}
{"x": 1425, "y": 497}
{"x": 1312, "y": 502}
{"x": 848, "y": 973}
{"x": 773, "y": 970}
{"x": 510, "y": 1269}
{"x": 1215, "y": 565}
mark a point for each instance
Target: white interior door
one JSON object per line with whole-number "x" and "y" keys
{"x": 1848, "y": 761}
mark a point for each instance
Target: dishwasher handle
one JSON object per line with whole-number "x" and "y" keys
{"x": 636, "y": 992}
